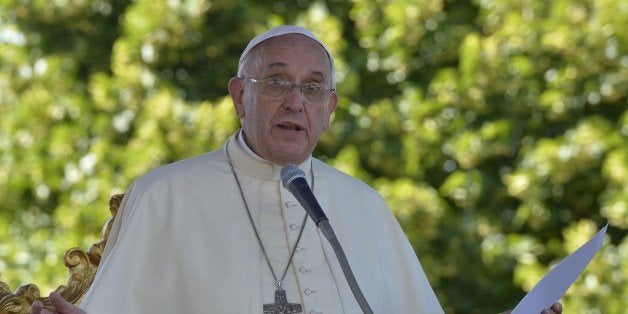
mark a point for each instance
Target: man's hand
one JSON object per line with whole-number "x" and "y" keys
{"x": 557, "y": 308}
{"x": 60, "y": 305}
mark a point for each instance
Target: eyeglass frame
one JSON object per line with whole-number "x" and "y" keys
{"x": 287, "y": 92}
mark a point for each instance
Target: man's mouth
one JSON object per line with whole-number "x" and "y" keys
{"x": 290, "y": 127}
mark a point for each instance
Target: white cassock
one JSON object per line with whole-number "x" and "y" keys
{"x": 182, "y": 243}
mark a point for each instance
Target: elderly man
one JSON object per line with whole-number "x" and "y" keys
{"x": 218, "y": 233}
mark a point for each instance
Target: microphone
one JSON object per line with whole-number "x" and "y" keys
{"x": 293, "y": 179}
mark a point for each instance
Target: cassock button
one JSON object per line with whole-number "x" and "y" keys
{"x": 315, "y": 312}
{"x": 309, "y": 291}
{"x": 300, "y": 248}
{"x": 290, "y": 204}
{"x": 294, "y": 226}
{"x": 304, "y": 270}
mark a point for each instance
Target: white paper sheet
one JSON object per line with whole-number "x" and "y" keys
{"x": 554, "y": 285}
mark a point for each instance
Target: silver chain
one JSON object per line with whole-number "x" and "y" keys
{"x": 278, "y": 282}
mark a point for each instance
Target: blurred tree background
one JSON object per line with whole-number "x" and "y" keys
{"x": 496, "y": 129}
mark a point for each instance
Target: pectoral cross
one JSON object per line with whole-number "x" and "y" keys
{"x": 281, "y": 305}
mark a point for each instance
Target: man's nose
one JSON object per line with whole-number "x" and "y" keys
{"x": 295, "y": 100}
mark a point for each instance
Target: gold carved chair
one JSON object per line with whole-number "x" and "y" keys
{"x": 82, "y": 267}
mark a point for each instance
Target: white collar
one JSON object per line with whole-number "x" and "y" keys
{"x": 246, "y": 148}
{"x": 306, "y": 165}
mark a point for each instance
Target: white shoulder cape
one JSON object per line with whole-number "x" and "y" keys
{"x": 182, "y": 243}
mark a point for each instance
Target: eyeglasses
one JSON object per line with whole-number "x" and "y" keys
{"x": 277, "y": 88}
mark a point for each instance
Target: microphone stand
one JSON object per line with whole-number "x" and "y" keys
{"x": 328, "y": 232}
{"x": 293, "y": 179}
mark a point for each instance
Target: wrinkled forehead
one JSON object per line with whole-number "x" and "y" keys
{"x": 280, "y": 31}
{"x": 272, "y": 50}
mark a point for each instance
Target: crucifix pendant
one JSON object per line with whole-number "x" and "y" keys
{"x": 281, "y": 305}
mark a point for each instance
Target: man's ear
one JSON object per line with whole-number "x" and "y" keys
{"x": 331, "y": 106}
{"x": 236, "y": 90}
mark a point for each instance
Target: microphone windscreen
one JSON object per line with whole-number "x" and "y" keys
{"x": 290, "y": 172}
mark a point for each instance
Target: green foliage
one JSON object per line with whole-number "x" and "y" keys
{"x": 496, "y": 130}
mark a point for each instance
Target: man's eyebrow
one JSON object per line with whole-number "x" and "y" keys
{"x": 283, "y": 65}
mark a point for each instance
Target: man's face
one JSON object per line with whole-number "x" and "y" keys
{"x": 284, "y": 130}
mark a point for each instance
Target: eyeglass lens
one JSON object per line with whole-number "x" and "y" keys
{"x": 278, "y": 89}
